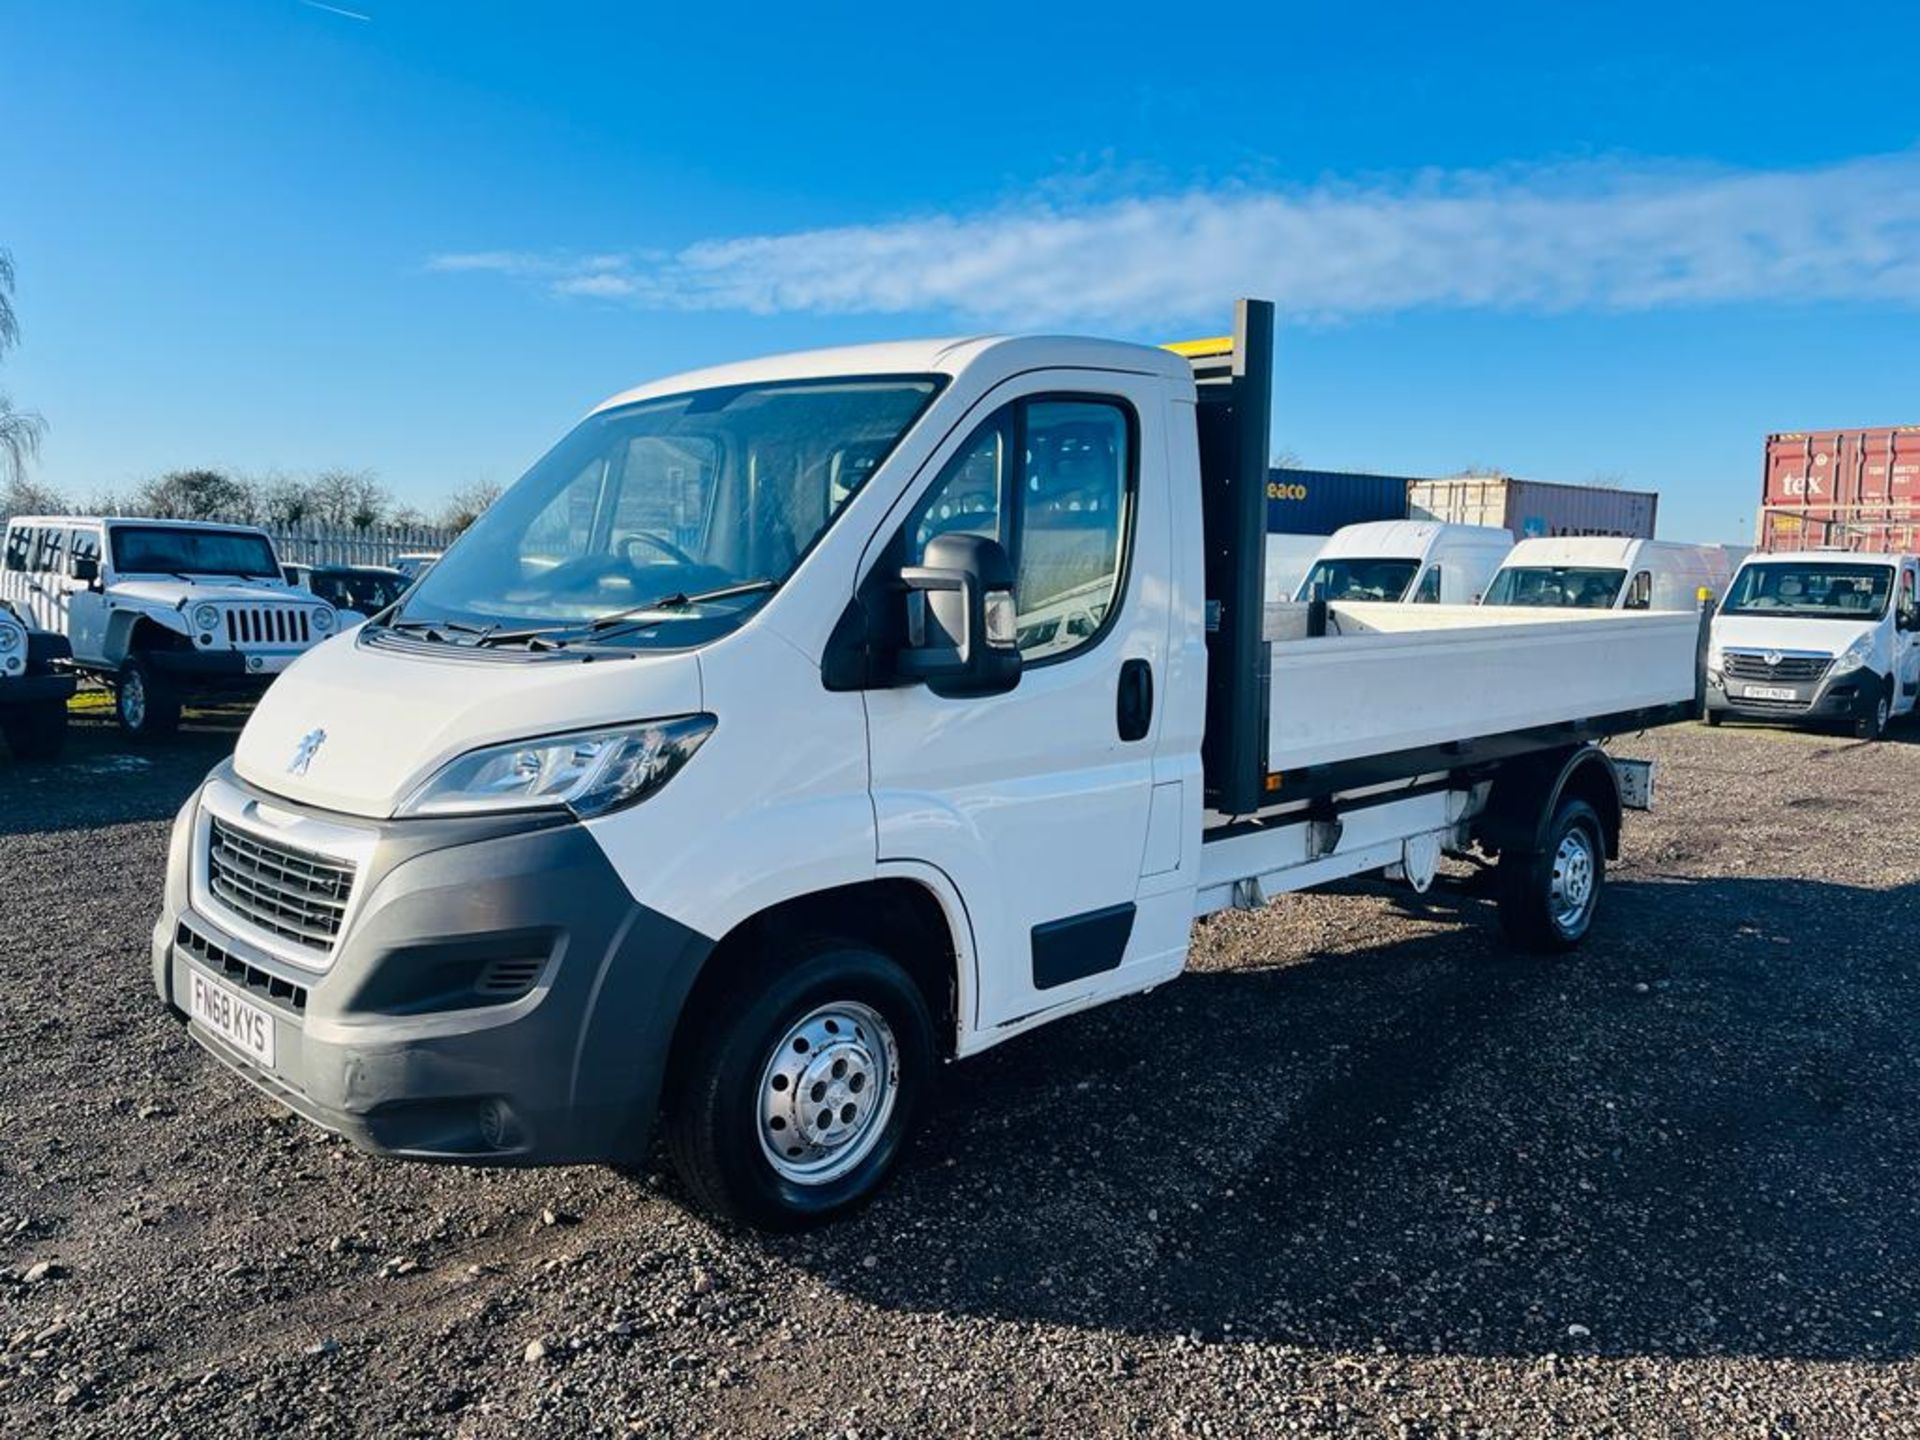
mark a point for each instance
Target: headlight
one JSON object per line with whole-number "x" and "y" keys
{"x": 323, "y": 619}
{"x": 590, "y": 772}
{"x": 206, "y": 616}
{"x": 12, "y": 637}
{"x": 1854, "y": 656}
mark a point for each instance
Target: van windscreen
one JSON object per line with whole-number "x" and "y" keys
{"x": 1359, "y": 579}
{"x": 1812, "y": 589}
{"x": 1566, "y": 587}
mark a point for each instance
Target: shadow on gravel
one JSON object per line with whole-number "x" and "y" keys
{"x": 1699, "y": 1136}
{"x": 103, "y": 778}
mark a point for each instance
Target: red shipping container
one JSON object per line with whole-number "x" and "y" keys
{"x": 1845, "y": 489}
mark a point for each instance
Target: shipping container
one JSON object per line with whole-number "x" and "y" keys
{"x": 1319, "y": 502}
{"x": 1851, "y": 489}
{"x": 1534, "y": 509}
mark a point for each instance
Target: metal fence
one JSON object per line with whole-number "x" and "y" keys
{"x": 346, "y": 545}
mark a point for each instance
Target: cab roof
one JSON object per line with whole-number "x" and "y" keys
{"x": 141, "y": 520}
{"x": 950, "y": 357}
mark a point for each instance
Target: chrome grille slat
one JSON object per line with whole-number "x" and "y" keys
{"x": 1791, "y": 669}
{"x": 268, "y": 625}
{"x": 288, "y": 892}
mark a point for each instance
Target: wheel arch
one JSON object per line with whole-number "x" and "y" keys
{"x": 899, "y": 915}
{"x": 1527, "y": 792}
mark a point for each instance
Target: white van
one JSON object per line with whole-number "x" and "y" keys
{"x": 1609, "y": 572}
{"x": 1817, "y": 635}
{"x": 1420, "y": 561}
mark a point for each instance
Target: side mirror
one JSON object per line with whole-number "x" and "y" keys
{"x": 1907, "y": 618}
{"x": 962, "y": 638}
{"x": 86, "y": 569}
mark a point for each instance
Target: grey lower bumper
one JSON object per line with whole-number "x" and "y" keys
{"x": 400, "y": 1047}
{"x": 1819, "y": 701}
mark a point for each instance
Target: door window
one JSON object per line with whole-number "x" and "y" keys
{"x": 1640, "y": 593}
{"x": 1052, "y": 480}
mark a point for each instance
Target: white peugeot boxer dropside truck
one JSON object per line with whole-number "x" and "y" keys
{"x": 795, "y": 726}
{"x": 164, "y": 611}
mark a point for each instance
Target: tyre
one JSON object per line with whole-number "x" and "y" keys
{"x": 794, "y": 1105}
{"x": 146, "y": 705}
{"x": 1548, "y": 896}
{"x": 1872, "y": 724}
{"x": 37, "y": 731}
{"x": 1713, "y": 718}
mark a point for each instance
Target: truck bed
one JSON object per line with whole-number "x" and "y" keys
{"x": 1391, "y": 679}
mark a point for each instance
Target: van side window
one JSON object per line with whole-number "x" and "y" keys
{"x": 1640, "y": 593}
{"x": 19, "y": 544}
{"x": 1428, "y": 592}
{"x": 1052, "y": 481}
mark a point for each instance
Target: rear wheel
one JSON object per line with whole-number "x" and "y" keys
{"x": 37, "y": 731}
{"x": 794, "y": 1106}
{"x": 1548, "y": 896}
{"x": 147, "y": 706}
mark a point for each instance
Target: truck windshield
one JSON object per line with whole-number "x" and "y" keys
{"x": 698, "y": 504}
{"x": 1560, "y": 586}
{"x": 1365, "y": 579}
{"x": 170, "y": 550}
{"x": 1813, "y": 589}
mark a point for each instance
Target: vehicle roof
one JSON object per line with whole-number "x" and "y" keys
{"x": 921, "y": 357}
{"x": 141, "y": 520}
{"x": 1838, "y": 557}
{"x": 345, "y": 569}
{"x": 1406, "y": 537}
{"x": 1574, "y": 550}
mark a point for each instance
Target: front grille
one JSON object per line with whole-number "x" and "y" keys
{"x": 295, "y": 894}
{"x": 510, "y": 979}
{"x": 268, "y": 625}
{"x": 226, "y": 964}
{"x": 1792, "y": 669}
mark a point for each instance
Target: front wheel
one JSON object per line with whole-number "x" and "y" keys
{"x": 1548, "y": 896}
{"x": 37, "y": 731}
{"x": 1872, "y": 724}
{"x": 147, "y": 706}
{"x": 794, "y": 1105}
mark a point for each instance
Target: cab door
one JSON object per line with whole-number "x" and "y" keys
{"x": 86, "y": 600}
{"x": 1037, "y": 803}
{"x": 1906, "y": 640}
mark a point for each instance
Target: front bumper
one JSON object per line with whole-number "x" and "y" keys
{"x": 397, "y": 1046}
{"x": 234, "y": 670}
{"x": 1830, "y": 698}
{"x": 29, "y": 689}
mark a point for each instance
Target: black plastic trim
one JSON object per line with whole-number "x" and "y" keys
{"x": 1080, "y": 945}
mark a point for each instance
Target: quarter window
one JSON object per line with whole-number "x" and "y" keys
{"x": 1052, "y": 481}
{"x": 19, "y": 546}
{"x": 1428, "y": 592}
{"x": 1640, "y": 593}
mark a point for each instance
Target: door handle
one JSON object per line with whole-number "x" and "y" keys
{"x": 1133, "y": 712}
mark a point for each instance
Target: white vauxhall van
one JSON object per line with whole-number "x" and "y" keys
{"x": 1420, "y": 561}
{"x": 1817, "y": 635}
{"x": 1609, "y": 572}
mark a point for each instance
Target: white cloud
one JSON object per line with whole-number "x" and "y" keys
{"x": 1540, "y": 239}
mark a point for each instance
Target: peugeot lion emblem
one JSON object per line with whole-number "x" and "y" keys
{"x": 304, "y": 752}
{"x": 1772, "y": 657}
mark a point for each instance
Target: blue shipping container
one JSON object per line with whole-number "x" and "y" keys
{"x": 1319, "y": 502}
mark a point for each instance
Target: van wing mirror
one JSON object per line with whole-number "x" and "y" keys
{"x": 962, "y": 636}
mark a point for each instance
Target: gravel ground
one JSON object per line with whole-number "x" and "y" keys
{"x": 1360, "y": 1174}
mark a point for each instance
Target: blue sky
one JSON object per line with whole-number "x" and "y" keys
{"x": 1573, "y": 241}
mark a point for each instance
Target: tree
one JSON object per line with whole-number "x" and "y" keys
{"x": 20, "y": 430}
{"x": 21, "y": 496}
{"x": 348, "y": 497}
{"x": 283, "y": 500}
{"x": 468, "y": 504}
{"x": 194, "y": 495}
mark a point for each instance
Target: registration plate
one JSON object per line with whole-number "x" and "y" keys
{"x": 1768, "y": 692}
{"x": 240, "y": 1023}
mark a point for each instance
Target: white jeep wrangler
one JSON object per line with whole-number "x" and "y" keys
{"x": 162, "y": 610}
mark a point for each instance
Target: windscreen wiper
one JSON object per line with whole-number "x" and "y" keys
{"x": 432, "y": 628}
{"x": 679, "y": 600}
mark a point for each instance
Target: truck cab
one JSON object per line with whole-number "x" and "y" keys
{"x": 163, "y": 611}
{"x": 35, "y": 685}
{"x": 1817, "y": 636}
{"x": 1425, "y": 562}
{"x": 1605, "y": 572}
{"x": 795, "y": 727}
